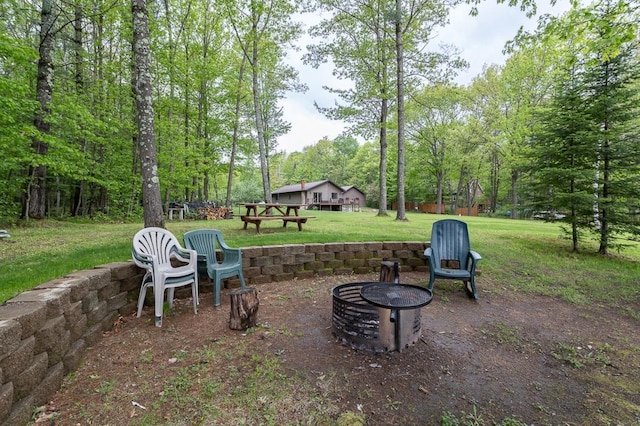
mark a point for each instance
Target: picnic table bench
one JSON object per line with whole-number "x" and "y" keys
{"x": 259, "y": 212}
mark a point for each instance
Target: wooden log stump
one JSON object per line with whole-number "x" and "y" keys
{"x": 244, "y": 308}
{"x": 389, "y": 272}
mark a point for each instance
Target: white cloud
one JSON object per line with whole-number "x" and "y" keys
{"x": 480, "y": 39}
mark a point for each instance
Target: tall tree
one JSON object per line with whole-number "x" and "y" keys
{"x": 612, "y": 77}
{"x": 599, "y": 132}
{"x": 263, "y": 29}
{"x": 359, "y": 39}
{"x": 563, "y": 153}
{"x": 399, "y": 35}
{"x": 434, "y": 117}
{"x": 143, "y": 93}
{"x": 35, "y": 201}
{"x": 368, "y": 42}
{"x": 485, "y": 118}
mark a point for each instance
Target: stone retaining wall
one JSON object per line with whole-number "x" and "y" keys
{"x": 45, "y": 331}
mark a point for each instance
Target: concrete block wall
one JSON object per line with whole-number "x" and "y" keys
{"x": 45, "y": 331}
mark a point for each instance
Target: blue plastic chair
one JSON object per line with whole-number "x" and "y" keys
{"x": 450, "y": 255}
{"x": 208, "y": 243}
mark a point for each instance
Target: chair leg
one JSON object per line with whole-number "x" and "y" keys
{"x": 158, "y": 296}
{"x": 216, "y": 291}
{"x": 432, "y": 280}
{"x": 194, "y": 295}
{"x": 241, "y": 276}
{"x": 141, "y": 297}
{"x": 170, "y": 296}
{"x": 470, "y": 287}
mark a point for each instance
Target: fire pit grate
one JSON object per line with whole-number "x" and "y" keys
{"x": 364, "y": 326}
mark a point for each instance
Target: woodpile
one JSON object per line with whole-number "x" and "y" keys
{"x": 215, "y": 213}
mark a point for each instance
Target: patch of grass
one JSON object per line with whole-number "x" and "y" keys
{"x": 104, "y": 389}
{"x": 579, "y": 356}
{"x": 529, "y": 256}
{"x": 502, "y": 333}
{"x": 146, "y": 356}
{"x": 248, "y": 389}
{"x": 475, "y": 418}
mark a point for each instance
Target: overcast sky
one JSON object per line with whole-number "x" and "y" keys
{"x": 480, "y": 39}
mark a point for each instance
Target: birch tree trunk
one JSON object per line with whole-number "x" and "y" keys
{"x": 143, "y": 93}
{"x": 35, "y": 202}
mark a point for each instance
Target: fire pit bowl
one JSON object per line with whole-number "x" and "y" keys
{"x": 363, "y": 326}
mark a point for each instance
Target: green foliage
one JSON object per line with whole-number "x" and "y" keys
{"x": 585, "y": 152}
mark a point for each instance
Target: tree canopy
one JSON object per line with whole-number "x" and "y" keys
{"x": 555, "y": 128}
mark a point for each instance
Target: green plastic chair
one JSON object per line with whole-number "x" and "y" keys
{"x": 208, "y": 243}
{"x": 450, "y": 255}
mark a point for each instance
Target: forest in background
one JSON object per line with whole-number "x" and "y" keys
{"x": 556, "y": 128}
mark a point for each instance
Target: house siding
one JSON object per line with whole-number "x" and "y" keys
{"x": 354, "y": 196}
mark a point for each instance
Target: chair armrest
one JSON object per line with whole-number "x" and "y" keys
{"x": 427, "y": 252}
{"x": 143, "y": 260}
{"x": 185, "y": 255}
{"x": 231, "y": 254}
{"x": 475, "y": 255}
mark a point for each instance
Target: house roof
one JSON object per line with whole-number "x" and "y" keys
{"x": 346, "y": 188}
{"x": 298, "y": 187}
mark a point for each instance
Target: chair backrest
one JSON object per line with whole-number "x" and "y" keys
{"x": 450, "y": 241}
{"x": 157, "y": 242}
{"x": 205, "y": 241}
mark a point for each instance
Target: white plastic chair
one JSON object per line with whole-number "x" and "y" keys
{"x": 153, "y": 249}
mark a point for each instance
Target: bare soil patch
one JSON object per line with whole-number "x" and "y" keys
{"x": 508, "y": 356}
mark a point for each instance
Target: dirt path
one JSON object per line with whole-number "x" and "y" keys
{"x": 507, "y": 356}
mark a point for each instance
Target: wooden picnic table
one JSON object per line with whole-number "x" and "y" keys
{"x": 258, "y": 212}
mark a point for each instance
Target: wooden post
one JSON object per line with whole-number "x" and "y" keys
{"x": 244, "y": 308}
{"x": 389, "y": 272}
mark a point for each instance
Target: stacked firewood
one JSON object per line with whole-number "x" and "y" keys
{"x": 215, "y": 213}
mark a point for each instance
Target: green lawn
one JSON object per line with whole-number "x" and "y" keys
{"x": 532, "y": 256}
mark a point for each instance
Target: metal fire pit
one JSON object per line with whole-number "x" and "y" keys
{"x": 364, "y": 326}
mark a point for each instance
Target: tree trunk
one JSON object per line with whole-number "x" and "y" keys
{"x": 439, "y": 178}
{"x": 389, "y": 272}
{"x": 400, "y": 215}
{"x": 606, "y": 171}
{"x": 143, "y": 93}
{"x": 384, "y": 110}
{"x": 79, "y": 199}
{"x": 384, "y": 116}
{"x": 35, "y": 202}
{"x": 514, "y": 194}
{"x": 495, "y": 180}
{"x": 264, "y": 166}
{"x": 236, "y": 125}
{"x": 244, "y": 308}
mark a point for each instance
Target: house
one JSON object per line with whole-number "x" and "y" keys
{"x": 323, "y": 195}
{"x": 353, "y": 195}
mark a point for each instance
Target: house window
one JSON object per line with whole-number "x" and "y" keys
{"x": 334, "y": 196}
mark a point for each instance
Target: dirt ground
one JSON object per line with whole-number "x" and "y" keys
{"x": 507, "y": 356}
